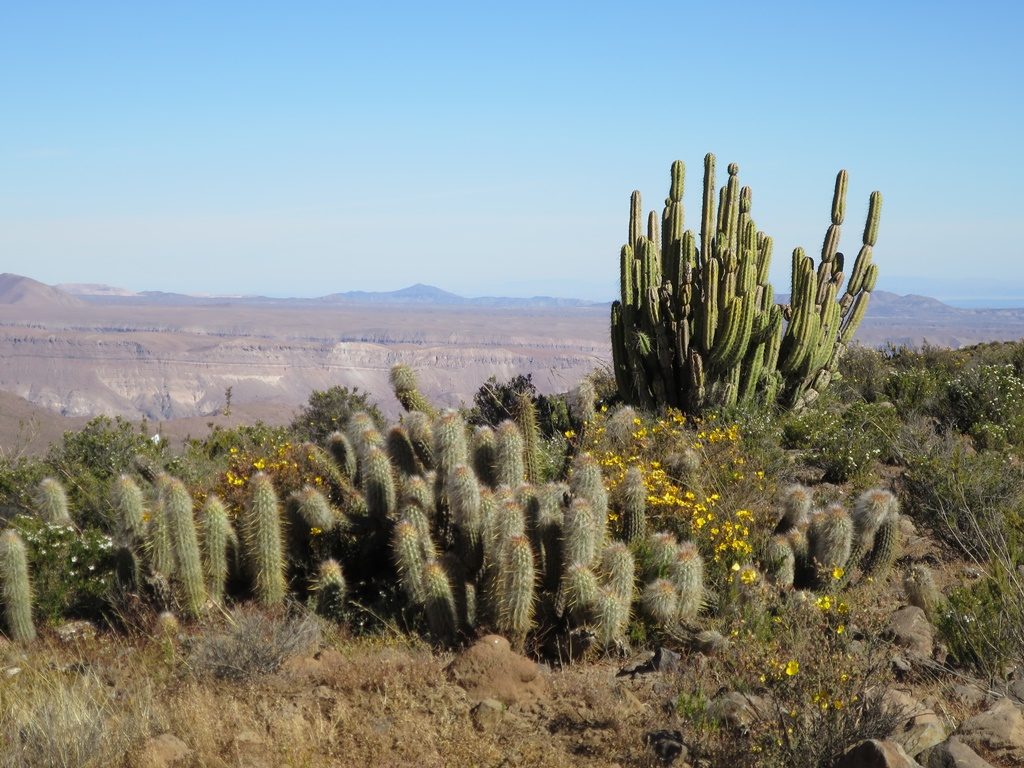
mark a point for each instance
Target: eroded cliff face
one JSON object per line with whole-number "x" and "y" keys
{"x": 84, "y": 366}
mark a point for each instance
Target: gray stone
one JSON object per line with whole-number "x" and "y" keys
{"x": 997, "y": 733}
{"x": 667, "y": 745}
{"x": 877, "y": 754}
{"x": 164, "y": 751}
{"x": 736, "y": 710}
{"x": 75, "y": 631}
{"x": 921, "y": 727}
{"x": 909, "y": 628}
{"x": 487, "y": 714}
{"x": 953, "y": 754}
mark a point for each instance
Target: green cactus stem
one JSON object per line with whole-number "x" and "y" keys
{"x": 128, "y": 505}
{"x": 617, "y": 569}
{"x": 330, "y": 589}
{"x": 439, "y": 602}
{"x": 830, "y": 539}
{"x": 526, "y": 420}
{"x": 687, "y": 573}
{"x": 517, "y": 593}
{"x": 633, "y": 502}
{"x": 52, "y": 502}
{"x": 343, "y": 453}
{"x": 403, "y": 381}
{"x": 263, "y": 540}
{"x": 484, "y": 450}
{"x": 660, "y": 602}
{"x": 15, "y": 588}
{"x": 379, "y": 484}
{"x": 186, "y": 548}
{"x": 216, "y": 537}
{"x": 509, "y": 466}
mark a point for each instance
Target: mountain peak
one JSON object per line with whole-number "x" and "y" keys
{"x": 21, "y": 290}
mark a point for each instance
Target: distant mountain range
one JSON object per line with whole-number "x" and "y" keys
{"x": 418, "y": 294}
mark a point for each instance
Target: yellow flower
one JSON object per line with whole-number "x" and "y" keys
{"x": 792, "y": 667}
{"x": 824, "y": 603}
{"x": 838, "y": 573}
{"x": 570, "y": 433}
{"x": 735, "y": 566}
{"x": 314, "y": 531}
{"x": 840, "y": 629}
{"x": 749, "y": 576}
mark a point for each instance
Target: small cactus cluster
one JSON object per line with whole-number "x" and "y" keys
{"x": 697, "y": 326}
{"x": 811, "y": 548}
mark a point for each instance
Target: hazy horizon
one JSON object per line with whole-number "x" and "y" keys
{"x": 236, "y": 149}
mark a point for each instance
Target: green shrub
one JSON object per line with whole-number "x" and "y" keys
{"x": 987, "y": 403}
{"x": 983, "y": 623}
{"x": 966, "y": 497}
{"x": 495, "y": 402}
{"x": 86, "y": 461}
{"x": 863, "y": 373}
{"x": 914, "y": 390}
{"x": 845, "y": 442}
{"x": 72, "y": 570}
{"x": 328, "y": 411}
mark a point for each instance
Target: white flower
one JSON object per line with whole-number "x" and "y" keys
{"x": 74, "y": 559}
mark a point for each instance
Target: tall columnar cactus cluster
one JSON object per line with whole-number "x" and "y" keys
{"x": 697, "y": 326}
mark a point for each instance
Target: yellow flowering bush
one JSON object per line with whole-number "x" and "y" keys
{"x": 701, "y": 506}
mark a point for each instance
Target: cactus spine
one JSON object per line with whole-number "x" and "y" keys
{"x": 634, "y": 506}
{"x": 687, "y": 573}
{"x": 439, "y": 602}
{"x": 403, "y": 381}
{"x": 186, "y": 547}
{"x": 660, "y": 602}
{"x": 160, "y": 543}
{"x": 264, "y": 541}
{"x": 52, "y": 502}
{"x": 618, "y": 570}
{"x": 509, "y": 467}
{"x": 697, "y": 327}
{"x": 128, "y": 505}
{"x": 330, "y": 589}
{"x": 526, "y": 419}
{"x": 217, "y": 533}
{"x": 517, "y": 593}
{"x": 484, "y": 452}
{"x": 378, "y": 484}
{"x": 343, "y": 453}
{"x": 830, "y": 538}
{"x": 15, "y": 588}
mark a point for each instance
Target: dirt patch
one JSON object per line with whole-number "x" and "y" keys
{"x": 490, "y": 669}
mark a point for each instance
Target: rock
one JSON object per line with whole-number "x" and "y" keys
{"x": 667, "y": 745}
{"x": 75, "y": 631}
{"x": 921, "y": 729}
{"x": 1015, "y": 688}
{"x": 953, "y": 754}
{"x": 909, "y": 628}
{"x": 487, "y": 714}
{"x": 490, "y": 669}
{"x": 736, "y": 710}
{"x": 877, "y": 754}
{"x": 971, "y": 695}
{"x": 997, "y": 733}
{"x": 164, "y": 751}
{"x": 662, "y": 660}
{"x": 251, "y": 750}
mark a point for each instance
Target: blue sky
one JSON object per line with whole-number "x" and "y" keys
{"x": 307, "y": 148}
